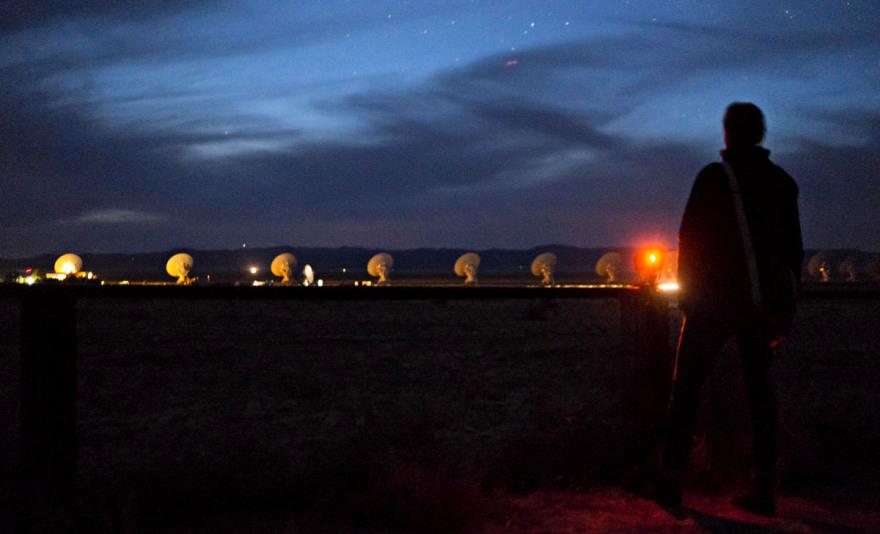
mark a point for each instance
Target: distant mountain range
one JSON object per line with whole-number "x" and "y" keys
{"x": 351, "y": 262}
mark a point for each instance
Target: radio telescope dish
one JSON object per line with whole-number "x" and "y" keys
{"x": 849, "y": 269}
{"x": 68, "y": 264}
{"x": 380, "y": 266}
{"x": 466, "y": 266}
{"x": 873, "y": 267}
{"x": 282, "y": 266}
{"x": 308, "y": 275}
{"x": 179, "y": 266}
{"x": 610, "y": 265}
{"x": 543, "y": 267}
{"x": 818, "y": 266}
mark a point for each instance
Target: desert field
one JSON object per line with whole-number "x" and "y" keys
{"x": 412, "y": 415}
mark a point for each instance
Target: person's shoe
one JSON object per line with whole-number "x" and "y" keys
{"x": 759, "y": 502}
{"x": 762, "y": 498}
{"x": 667, "y": 494}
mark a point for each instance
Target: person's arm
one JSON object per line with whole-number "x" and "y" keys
{"x": 691, "y": 238}
{"x": 795, "y": 244}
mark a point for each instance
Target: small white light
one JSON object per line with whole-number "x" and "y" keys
{"x": 254, "y": 269}
{"x": 668, "y": 287}
{"x": 320, "y": 282}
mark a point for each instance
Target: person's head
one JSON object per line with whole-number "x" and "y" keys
{"x": 743, "y": 125}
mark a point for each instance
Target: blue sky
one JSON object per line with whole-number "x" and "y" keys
{"x": 149, "y": 125}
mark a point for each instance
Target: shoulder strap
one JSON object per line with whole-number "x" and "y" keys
{"x": 746, "y": 234}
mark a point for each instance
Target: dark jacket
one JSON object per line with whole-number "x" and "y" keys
{"x": 712, "y": 268}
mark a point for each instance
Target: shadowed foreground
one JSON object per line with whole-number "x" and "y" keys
{"x": 430, "y": 415}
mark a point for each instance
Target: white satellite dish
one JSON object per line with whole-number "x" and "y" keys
{"x": 68, "y": 264}
{"x": 308, "y": 275}
{"x": 179, "y": 267}
{"x": 283, "y": 266}
{"x": 380, "y": 266}
{"x": 849, "y": 268}
{"x": 818, "y": 266}
{"x": 466, "y": 266}
{"x": 610, "y": 266}
{"x": 543, "y": 267}
{"x": 872, "y": 268}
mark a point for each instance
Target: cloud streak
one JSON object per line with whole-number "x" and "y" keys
{"x": 117, "y": 216}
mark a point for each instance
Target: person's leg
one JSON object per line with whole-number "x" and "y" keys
{"x": 699, "y": 342}
{"x": 753, "y": 340}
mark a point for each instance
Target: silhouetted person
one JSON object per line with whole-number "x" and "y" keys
{"x": 740, "y": 255}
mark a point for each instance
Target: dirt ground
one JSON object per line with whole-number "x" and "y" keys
{"x": 611, "y": 510}
{"x": 432, "y": 415}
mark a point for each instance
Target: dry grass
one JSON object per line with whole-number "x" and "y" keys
{"x": 390, "y": 414}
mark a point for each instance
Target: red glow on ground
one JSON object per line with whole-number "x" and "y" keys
{"x": 610, "y": 510}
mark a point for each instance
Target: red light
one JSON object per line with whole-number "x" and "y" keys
{"x": 649, "y": 264}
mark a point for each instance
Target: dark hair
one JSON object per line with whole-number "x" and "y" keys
{"x": 744, "y": 124}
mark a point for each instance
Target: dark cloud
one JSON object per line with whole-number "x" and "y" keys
{"x": 664, "y": 54}
{"x": 512, "y": 150}
{"x": 22, "y": 14}
{"x": 458, "y": 174}
{"x": 840, "y": 190}
{"x": 160, "y": 31}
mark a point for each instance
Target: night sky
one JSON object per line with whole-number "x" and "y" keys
{"x": 146, "y": 125}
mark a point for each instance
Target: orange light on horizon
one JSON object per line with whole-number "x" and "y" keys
{"x": 649, "y": 263}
